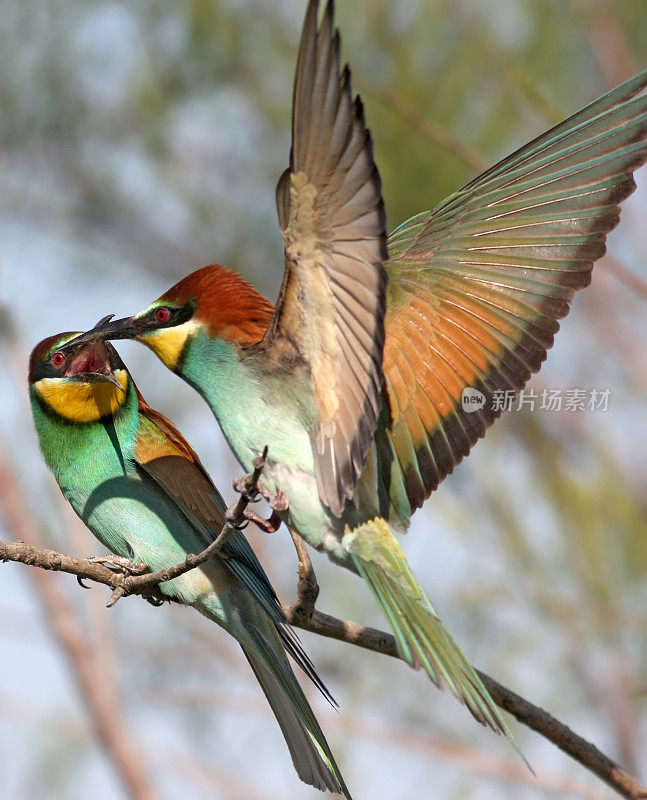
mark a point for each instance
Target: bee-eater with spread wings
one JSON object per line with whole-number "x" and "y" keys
{"x": 140, "y": 488}
{"x": 354, "y": 379}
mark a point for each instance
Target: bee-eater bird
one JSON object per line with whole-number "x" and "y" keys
{"x": 354, "y": 379}
{"x": 140, "y": 488}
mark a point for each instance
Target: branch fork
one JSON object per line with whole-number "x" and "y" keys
{"x": 303, "y": 614}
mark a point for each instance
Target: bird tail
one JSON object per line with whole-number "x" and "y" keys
{"x": 421, "y": 638}
{"x": 311, "y": 756}
{"x": 257, "y": 635}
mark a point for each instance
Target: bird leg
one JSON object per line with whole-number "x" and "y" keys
{"x": 121, "y": 564}
{"x": 267, "y": 525}
{"x": 273, "y": 523}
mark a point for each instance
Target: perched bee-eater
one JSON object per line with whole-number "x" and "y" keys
{"x": 354, "y": 379}
{"x": 140, "y": 488}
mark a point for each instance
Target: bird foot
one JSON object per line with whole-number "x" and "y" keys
{"x": 126, "y": 565}
{"x": 240, "y": 519}
{"x": 157, "y": 600}
{"x": 277, "y": 502}
{"x": 242, "y": 486}
{"x": 270, "y": 525}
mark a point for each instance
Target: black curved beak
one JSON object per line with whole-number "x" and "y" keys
{"x": 95, "y": 377}
{"x": 106, "y": 328}
{"x": 94, "y": 362}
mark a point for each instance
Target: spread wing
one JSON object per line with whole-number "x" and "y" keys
{"x": 477, "y": 285}
{"x": 165, "y": 456}
{"x": 332, "y": 301}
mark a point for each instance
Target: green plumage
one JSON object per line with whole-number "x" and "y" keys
{"x": 116, "y": 474}
{"x": 421, "y": 638}
{"x": 355, "y": 383}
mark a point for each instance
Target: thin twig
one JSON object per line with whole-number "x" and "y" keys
{"x": 625, "y": 275}
{"x": 307, "y": 586}
{"x": 58, "y": 562}
{"x": 609, "y": 42}
{"x": 432, "y": 130}
{"x": 139, "y": 584}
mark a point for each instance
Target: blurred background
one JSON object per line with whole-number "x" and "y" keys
{"x": 142, "y": 139}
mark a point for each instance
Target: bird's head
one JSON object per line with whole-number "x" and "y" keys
{"x": 81, "y": 383}
{"x": 212, "y": 299}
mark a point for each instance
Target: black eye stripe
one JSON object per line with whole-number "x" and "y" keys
{"x": 47, "y": 368}
{"x": 176, "y": 316}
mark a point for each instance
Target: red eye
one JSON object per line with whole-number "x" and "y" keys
{"x": 162, "y": 315}
{"x": 58, "y": 359}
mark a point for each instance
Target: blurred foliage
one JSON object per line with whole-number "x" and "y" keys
{"x": 143, "y": 139}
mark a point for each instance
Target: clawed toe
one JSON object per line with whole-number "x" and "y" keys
{"x": 278, "y": 502}
{"x": 121, "y": 564}
{"x": 241, "y": 485}
{"x": 240, "y": 520}
{"x": 267, "y": 525}
{"x": 251, "y": 490}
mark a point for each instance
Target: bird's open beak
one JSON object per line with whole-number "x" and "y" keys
{"x": 106, "y": 328}
{"x": 91, "y": 364}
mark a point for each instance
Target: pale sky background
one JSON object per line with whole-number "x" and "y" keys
{"x": 142, "y": 140}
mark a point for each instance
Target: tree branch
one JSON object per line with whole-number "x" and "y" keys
{"x": 524, "y": 711}
{"x": 444, "y": 138}
{"x": 307, "y": 586}
{"x": 302, "y": 615}
{"x": 148, "y": 583}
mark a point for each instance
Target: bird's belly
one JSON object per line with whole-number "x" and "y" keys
{"x": 289, "y": 468}
{"x": 147, "y": 530}
{"x": 306, "y": 514}
{"x": 251, "y": 428}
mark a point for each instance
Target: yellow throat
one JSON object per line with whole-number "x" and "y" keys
{"x": 168, "y": 343}
{"x": 83, "y": 402}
